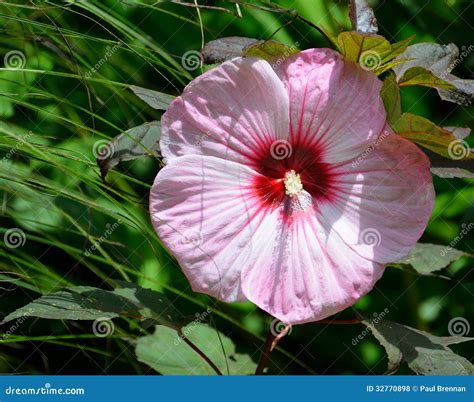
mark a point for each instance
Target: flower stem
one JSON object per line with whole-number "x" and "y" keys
{"x": 270, "y": 344}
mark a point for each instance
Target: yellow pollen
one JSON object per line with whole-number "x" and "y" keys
{"x": 293, "y": 184}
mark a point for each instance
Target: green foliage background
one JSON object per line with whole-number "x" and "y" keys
{"x": 56, "y": 108}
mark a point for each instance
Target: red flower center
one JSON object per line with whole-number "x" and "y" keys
{"x": 275, "y": 163}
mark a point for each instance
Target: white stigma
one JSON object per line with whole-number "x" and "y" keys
{"x": 293, "y": 184}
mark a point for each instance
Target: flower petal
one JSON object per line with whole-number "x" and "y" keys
{"x": 305, "y": 272}
{"x": 205, "y": 211}
{"x": 231, "y": 112}
{"x": 334, "y": 103}
{"x": 382, "y": 200}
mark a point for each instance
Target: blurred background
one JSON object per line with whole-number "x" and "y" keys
{"x": 75, "y": 60}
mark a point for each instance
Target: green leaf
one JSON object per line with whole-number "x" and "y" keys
{"x": 270, "y": 50}
{"x": 449, "y": 168}
{"x": 89, "y": 303}
{"x": 427, "y": 258}
{"x": 220, "y": 50}
{"x": 427, "y": 134}
{"x": 424, "y": 353}
{"x": 133, "y": 143}
{"x": 390, "y": 94}
{"x": 157, "y": 100}
{"x": 423, "y": 77}
{"x": 69, "y": 304}
{"x": 353, "y": 44}
{"x": 168, "y": 353}
{"x": 372, "y": 52}
{"x": 389, "y": 66}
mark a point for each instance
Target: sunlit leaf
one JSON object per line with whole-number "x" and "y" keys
{"x": 371, "y": 51}
{"x": 223, "y": 49}
{"x": 423, "y": 77}
{"x": 452, "y": 173}
{"x": 427, "y": 134}
{"x": 362, "y": 17}
{"x": 270, "y": 50}
{"x": 220, "y": 50}
{"x": 433, "y": 63}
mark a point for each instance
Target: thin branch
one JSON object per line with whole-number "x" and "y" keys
{"x": 194, "y": 5}
{"x": 339, "y": 322}
{"x": 199, "y": 352}
{"x": 275, "y": 8}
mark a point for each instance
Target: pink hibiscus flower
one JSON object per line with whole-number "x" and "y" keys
{"x": 286, "y": 187}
